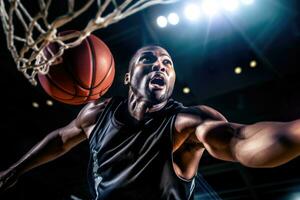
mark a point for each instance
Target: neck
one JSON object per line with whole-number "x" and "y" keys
{"x": 138, "y": 106}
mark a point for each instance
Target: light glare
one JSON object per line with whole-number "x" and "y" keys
{"x": 35, "y": 104}
{"x": 186, "y": 90}
{"x": 49, "y": 103}
{"x": 230, "y": 5}
{"x": 173, "y": 18}
{"x": 238, "y": 70}
{"x": 210, "y": 7}
{"x": 253, "y": 64}
{"x": 162, "y": 21}
{"x": 247, "y": 2}
{"x": 192, "y": 12}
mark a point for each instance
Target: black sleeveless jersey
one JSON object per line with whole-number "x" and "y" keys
{"x": 132, "y": 160}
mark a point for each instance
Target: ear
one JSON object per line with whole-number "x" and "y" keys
{"x": 127, "y": 78}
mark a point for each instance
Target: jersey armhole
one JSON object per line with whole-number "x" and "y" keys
{"x": 172, "y": 131}
{"x": 100, "y": 119}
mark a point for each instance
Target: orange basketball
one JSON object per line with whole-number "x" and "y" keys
{"x": 85, "y": 73}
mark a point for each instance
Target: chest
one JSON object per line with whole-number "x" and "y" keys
{"x": 116, "y": 146}
{"x": 150, "y": 133}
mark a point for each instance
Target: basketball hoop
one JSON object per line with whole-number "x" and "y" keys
{"x": 28, "y": 50}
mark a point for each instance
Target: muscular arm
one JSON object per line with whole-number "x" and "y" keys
{"x": 55, "y": 144}
{"x": 51, "y": 147}
{"x": 187, "y": 149}
{"x": 263, "y": 144}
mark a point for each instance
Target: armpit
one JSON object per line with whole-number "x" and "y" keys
{"x": 189, "y": 119}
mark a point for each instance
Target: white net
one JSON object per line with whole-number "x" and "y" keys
{"x": 28, "y": 47}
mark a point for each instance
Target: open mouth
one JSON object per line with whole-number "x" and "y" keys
{"x": 157, "y": 82}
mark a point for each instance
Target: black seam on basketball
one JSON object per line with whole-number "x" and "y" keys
{"x": 105, "y": 88}
{"x": 77, "y": 81}
{"x": 107, "y": 73}
{"x": 100, "y": 93}
{"x": 63, "y": 90}
{"x": 57, "y": 86}
{"x": 93, "y": 57}
{"x": 102, "y": 90}
{"x": 93, "y": 64}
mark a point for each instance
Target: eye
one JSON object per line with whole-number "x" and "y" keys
{"x": 148, "y": 59}
{"x": 167, "y": 62}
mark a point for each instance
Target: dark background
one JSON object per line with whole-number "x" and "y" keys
{"x": 205, "y": 54}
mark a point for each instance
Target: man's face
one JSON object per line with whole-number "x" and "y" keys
{"x": 152, "y": 75}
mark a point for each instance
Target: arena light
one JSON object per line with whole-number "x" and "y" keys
{"x": 238, "y": 70}
{"x": 293, "y": 196}
{"x": 186, "y": 90}
{"x": 192, "y": 11}
{"x": 230, "y": 5}
{"x": 162, "y": 21}
{"x": 35, "y": 105}
{"x": 49, "y": 103}
{"x": 253, "y": 64}
{"x": 173, "y": 18}
{"x": 247, "y": 2}
{"x": 210, "y": 7}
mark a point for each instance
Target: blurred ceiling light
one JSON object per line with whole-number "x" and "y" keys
{"x": 186, "y": 90}
{"x": 230, "y": 5}
{"x": 238, "y": 70}
{"x": 162, "y": 21}
{"x": 192, "y": 12}
{"x": 49, "y": 103}
{"x": 210, "y": 7}
{"x": 173, "y": 18}
{"x": 247, "y": 2}
{"x": 35, "y": 104}
{"x": 253, "y": 64}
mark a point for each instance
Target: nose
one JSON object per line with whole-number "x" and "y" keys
{"x": 159, "y": 66}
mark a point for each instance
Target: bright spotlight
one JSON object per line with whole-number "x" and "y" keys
{"x": 210, "y": 7}
{"x": 186, "y": 90}
{"x": 49, "y": 103}
{"x": 35, "y": 105}
{"x": 162, "y": 21}
{"x": 230, "y": 5}
{"x": 173, "y": 18}
{"x": 238, "y": 70}
{"x": 253, "y": 64}
{"x": 247, "y": 2}
{"x": 294, "y": 196}
{"x": 192, "y": 12}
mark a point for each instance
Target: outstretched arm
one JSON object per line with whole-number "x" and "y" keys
{"x": 55, "y": 144}
{"x": 263, "y": 144}
{"x": 52, "y": 146}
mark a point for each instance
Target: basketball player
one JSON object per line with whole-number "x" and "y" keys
{"x": 148, "y": 146}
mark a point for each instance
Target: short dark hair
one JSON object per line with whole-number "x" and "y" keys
{"x": 136, "y": 54}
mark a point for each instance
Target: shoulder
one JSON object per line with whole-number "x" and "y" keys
{"x": 211, "y": 113}
{"x": 202, "y": 111}
{"x": 97, "y": 104}
{"x": 192, "y": 116}
{"x": 91, "y": 110}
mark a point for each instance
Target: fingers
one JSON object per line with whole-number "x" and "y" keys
{"x": 7, "y": 180}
